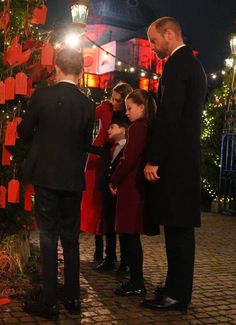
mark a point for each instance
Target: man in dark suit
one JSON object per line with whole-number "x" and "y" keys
{"x": 59, "y": 124}
{"x": 173, "y": 167}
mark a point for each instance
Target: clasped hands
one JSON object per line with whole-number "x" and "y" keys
{"x": 150, "y": 173}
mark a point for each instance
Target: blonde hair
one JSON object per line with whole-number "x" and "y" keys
{"x": 70, "y": 61}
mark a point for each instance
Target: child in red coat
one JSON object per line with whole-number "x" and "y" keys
{"x": 128, "y": 183}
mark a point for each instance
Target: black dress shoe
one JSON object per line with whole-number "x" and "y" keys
{"x": 105, "y": 266}
{"x": 128, "y": 289}
{"x": 73, "y": 306}
{"x": 164, "y": 303}
{"x": 50, "y": 312}
{"x": 123, "y": 270}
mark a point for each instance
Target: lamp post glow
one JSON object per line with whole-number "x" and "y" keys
{"x": 233, "y": 43}
{"x": 72, "y": 40}
{"x": 79, "y": 12}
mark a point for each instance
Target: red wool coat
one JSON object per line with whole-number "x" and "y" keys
{"x": 129, "y": 179}
{"x": 92, "y": 197}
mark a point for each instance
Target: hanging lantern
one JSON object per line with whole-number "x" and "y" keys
{"x": 233, "y": 43}
{"x": 79, "y": 12}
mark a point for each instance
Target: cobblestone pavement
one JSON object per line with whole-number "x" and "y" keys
{"x": 214, "y": 298}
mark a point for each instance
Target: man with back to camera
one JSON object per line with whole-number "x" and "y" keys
{"x": 59, "y": 125}
{"x": 173, "y": 167}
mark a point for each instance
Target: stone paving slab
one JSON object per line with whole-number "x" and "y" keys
{"x": 214, "y": 296}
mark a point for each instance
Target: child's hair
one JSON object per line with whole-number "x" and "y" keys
{"x": 123, "y": 89}
{"x": 143, "y": 97}
{"x": 70, "y": 61}
{"x": 121, "y": 123}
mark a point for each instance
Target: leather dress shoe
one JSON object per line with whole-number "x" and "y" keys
{"x": 50, "y": 312}
{"x": 105, "y": 266}
{"x": 122, "y": 270}
{"x": 164, "y": 303}
{"x": 73, "y": 306}
{"x": 128, "y": 289}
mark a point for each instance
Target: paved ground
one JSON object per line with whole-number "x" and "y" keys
{"x": 214, "y": 299}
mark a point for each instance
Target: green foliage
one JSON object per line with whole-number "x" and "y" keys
{"x": 13, "y": 218}
{"x": 212, "y": 125}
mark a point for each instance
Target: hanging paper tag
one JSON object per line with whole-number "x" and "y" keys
{"x": 47, "y": 54}
{"x": 6, "y": 157}
{"x": 29, "y": 191}
{"x": 10, "y": 88}
{"x": 23, "y": 57}
{"x": 3, "y": 197}
{"x": 10, "y": 134}
{"x": 39, "y": 15}
{"x": 2, "y": 92}
{"x": 14, "y": 191}
{"x": 21, "y": 83}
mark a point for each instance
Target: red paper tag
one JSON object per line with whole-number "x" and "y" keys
{"x": 13, "y": 53}
{"x": 2, "y": 92}
{"x": 4, "y": 301}
{"x": 10, "y": 134}
{"x": 3, "y": 197}
{"x": 29, "y": 191}
{"x": 47, "y": 54}
{"x": 21, "y": 83}
{"x": 10, "y": 88}
{"x": 14, "y": 191}
{"x": 39, "y": 15}
{"x": 6, "y": 157}
{"x": 23, "y": 58}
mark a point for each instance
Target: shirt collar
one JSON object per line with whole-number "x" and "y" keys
{"x": 177, "y": 48}
{"x": 69, "y": 81}
{"x": 122, "y": 142}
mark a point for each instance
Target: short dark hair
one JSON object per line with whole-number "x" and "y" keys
{"x": 70, "y": 61}
{"x": 164, "y": 23}
{"x": 121, "y": 123}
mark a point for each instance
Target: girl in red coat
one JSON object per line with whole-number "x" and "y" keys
{"x": 92, "y": 197}
{"x": 128, "y": 183}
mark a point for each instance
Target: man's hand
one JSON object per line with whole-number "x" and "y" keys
{"x": 113, "y": 190}
{"x": 150, "y": 173}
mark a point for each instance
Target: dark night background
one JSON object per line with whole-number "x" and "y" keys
{"x": 206, "y": 24}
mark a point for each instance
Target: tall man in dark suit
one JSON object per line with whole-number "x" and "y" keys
{"x": 173, "y": 166}
{"x": 59, "y": 123}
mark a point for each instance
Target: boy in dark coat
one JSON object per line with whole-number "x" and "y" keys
{"x": 112, "y": 154}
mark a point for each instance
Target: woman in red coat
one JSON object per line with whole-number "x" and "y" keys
{"x": 92, "y": 197}
{"x": 128, "y": 183}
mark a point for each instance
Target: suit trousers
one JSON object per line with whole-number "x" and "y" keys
{"x": 135, "y": 257}
{"x": 180, "y": 250}
{"x": 58, "y": 215}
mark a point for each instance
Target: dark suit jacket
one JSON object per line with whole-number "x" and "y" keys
{"x": 175, "y": 142}
{"x": 109, "y": 201}
{"x": 59, "y": 124}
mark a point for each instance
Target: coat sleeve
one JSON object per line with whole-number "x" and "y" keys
{"x": 89, "y": 128}
{"x": 134, "y": 149}
{"x": 27, "y": 127}
{"x": 167, "y": 121}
